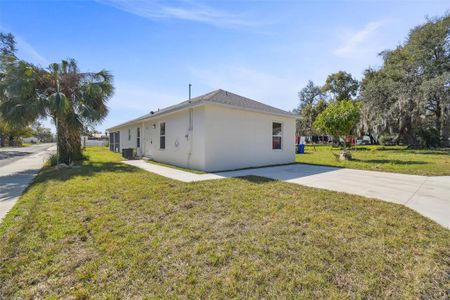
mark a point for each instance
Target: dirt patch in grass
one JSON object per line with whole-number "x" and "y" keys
{"x": 108, "y": 230}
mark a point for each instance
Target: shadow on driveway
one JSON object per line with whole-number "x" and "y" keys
{"x": 283, "y": 172}
{"x": 12, "y": 186}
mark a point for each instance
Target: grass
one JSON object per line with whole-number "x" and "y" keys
{"x": 377, "y": 158}
{"x": 107, "y": 230}
{"x": 176, "y": 167}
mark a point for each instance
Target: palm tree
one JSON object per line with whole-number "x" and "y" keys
{"x": 73, "y": 100}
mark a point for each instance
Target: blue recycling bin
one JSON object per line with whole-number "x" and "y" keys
{"x": 301, "y": 148}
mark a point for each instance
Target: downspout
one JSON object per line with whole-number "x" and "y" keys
{"x": 190, "y": 130}
{"x": 190, "y": 135}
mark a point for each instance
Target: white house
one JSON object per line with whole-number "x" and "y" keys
{"x": 213, "y": 132}
{"x": 31, "y": 140}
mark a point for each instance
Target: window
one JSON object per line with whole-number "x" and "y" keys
{"x": 129, "y": 134}
{"x": 276, "y": 135}
{"x": 114, "y": 141}
{"x": 111, "y": 141}
{"x": 117, "y": 141}
{"x": 138, "y": 137}
{"x": 162, "y": 136}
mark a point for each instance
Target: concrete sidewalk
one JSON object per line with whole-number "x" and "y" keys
{"x": 428, "y": 195}
{"x": 17, "y": 175}
{"x": 171, "y": 172}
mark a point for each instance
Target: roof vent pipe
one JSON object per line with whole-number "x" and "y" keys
{"x": 190, "y": 85}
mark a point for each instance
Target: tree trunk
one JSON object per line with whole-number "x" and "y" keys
{"x": 445, "y": 132}
{"x": 373, "y": 141}
{"x": 69, "y": 143}
{"x": 407, "y": 132}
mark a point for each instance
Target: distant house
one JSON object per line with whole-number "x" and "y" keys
{"x": 213, "y": 132}
{"x": 31, "y": 140}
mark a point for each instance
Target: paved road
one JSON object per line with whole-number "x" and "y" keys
{"x": 9, "y": 155}
{"x": 428, "y": 195}
{"x": 18, "y": 166}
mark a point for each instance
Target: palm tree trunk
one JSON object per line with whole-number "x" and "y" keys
{"x": 69, "y": 143}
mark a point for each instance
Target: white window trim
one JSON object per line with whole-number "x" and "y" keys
{"x": 280, "y": 135}
{"x": 165, "y": 141}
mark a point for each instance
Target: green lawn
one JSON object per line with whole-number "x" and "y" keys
{"x": 390, "y": 159}
{"x": 109, "y": 230}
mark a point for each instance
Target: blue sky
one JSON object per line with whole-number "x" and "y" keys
{"x": 265, "y": 50}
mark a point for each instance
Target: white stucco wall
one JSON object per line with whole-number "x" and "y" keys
{"x": 187, "y": 152}
{"x": 222, "y": 139}
{"x": 124, "y": 141}
{"x": 240, "y": 139}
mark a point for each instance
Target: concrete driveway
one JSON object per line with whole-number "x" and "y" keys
{"x": 428, "y": 195}
{"x": 18, "y": 166}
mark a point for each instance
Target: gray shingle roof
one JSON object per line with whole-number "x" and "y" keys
{"x": 219, "y": 97}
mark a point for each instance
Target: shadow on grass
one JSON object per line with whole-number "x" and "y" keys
{"x": 282, "y": 172}
{"x": 428, "y": 152}
{"x": 86, "y": 170}
{"x": 256, "y": 179}
{"x": 375, "y": 149}
{"x": 391, "y": 161}
{"x": 94, "y": 168}
{"x": 404, "y": 150}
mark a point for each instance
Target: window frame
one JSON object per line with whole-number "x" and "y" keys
{"x": 129, "y": 134}
{"x": 280, "y": 135}
{"x": 162, "y": 136}
{"x": 138, "y": 137}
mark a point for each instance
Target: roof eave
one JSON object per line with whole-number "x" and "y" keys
{"x": 197, "y": 104}
{"x": 285, "y": 114}
{"x": 155, "y": 115}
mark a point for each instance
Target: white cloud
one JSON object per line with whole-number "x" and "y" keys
{"x": 360, "y": 42}
{"x": 183, "y": 10}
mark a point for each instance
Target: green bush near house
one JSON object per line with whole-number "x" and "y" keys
{"x": 108, "y": 230}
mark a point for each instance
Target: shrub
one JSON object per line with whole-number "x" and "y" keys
{"x": 387, "y": 140}
{"x": 52, "y": 160}
{"x": 428, "y": 137}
